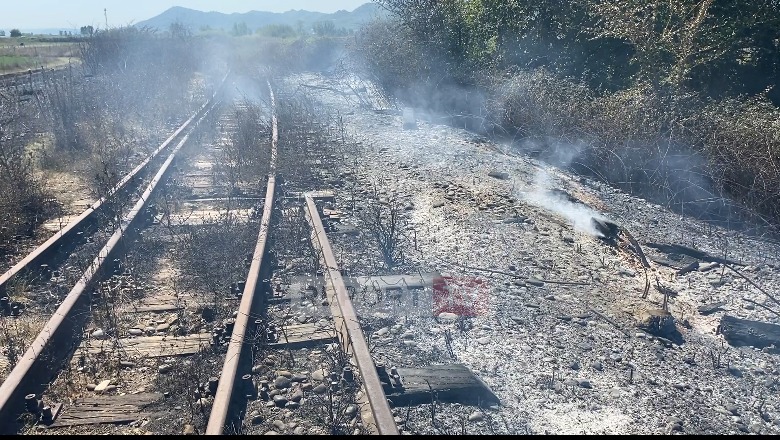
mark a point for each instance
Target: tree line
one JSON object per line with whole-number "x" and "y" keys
{"x": 649, "y": 90}
{"x": 717, "y": 47}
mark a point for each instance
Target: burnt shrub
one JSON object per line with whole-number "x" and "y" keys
{"x": 23, "y": 201}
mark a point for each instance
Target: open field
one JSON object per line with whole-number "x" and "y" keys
{"x": 20, "y": 54}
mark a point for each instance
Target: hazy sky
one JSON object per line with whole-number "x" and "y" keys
{"x": 69, "y": 14}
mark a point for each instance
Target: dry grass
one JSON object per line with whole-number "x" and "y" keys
{"x": 16, "y": 58}
{"x": 671, "y": 147}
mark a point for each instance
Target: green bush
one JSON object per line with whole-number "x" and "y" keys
{"x": 677, "y": 105}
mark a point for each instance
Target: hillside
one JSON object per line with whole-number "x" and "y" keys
{"x": 256, "y": 19}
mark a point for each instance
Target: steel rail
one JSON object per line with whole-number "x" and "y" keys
{"x": 224, "y": 395}
{"x": 64, "y": 235}
{"x": 351, "y": 337}
{"x": 227, "y": 380}
{"x": 52, "y": 342}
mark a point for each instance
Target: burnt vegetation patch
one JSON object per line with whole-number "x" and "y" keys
{"x": 24, "y": 202}
{"x": 691, "y": 125}
{"x": 99, "y": 118}
{"x": 496, "y": 288}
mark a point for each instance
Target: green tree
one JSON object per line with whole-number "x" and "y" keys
{"x": 441, "y": 29}
{"x": 673, "y": 40}
{"x": 15, "y": 33}
{"x": 750, "y": 64}
{"x": 324, "y": 28}
{"x": 669, "y": 38}
{"x": 277, "y": 31}
{"x": 240, "y": 29}
{"x": 179, "y": 30}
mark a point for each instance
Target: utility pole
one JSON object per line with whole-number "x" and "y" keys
{"x": 105, "y": 14}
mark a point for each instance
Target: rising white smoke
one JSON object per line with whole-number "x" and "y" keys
{"x": 542, "y": 194}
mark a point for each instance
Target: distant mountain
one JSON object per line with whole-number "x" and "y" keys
{"x": 197, "y": 20}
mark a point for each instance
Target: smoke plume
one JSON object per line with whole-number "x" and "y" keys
{"x": 545, "y": 194}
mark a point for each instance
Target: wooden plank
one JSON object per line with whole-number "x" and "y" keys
{"x": 157, "y": 308}
{"x": 151, "y": 346}
{"x": 141, "y": 399}
{"x": 396, "y": 284}
{"x": 451, "y": 383}
{"x": 322, "y": 195}
{"x": 740, "y": 332}
{"x": 706, "y": 309}
{"x": 302, "y": 329}
{"x": 160, "y": 303}
{"x": 161, "y": 306}
{"x": 106, "y": 409}
{"x": 106, "y": 418}
{"x": 304, "y": 335}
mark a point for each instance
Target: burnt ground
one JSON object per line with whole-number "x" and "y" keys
{"x": 554, "y": 317}
{"x": 560, "y": 330}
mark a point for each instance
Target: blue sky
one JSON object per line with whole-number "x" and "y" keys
{"x": 69, "y": 14}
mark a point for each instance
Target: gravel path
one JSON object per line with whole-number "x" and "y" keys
{"x": 556, "y": 336}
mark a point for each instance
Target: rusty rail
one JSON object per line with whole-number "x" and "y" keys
{"x": 52, "y": 342}
{"x": 80, "y": 223}
{"x": 351, "y": 336}
{"x": 227, "y": 381}
{"x": 380, "y": 418}
{"x": 222, "y": 399}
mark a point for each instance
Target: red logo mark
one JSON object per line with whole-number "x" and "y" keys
{"x": 461, "y": 295}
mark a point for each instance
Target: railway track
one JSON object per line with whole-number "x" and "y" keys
{"x": 256, "y": 321}
{"x": 44, "y": 265}
{"x": 161, "y": 324}
{"x": 87, "y": 219}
